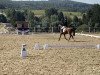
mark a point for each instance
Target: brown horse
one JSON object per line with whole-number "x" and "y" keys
{"x": 67, "y": 30}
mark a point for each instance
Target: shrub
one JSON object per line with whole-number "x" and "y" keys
{"x": 83, "y": 27}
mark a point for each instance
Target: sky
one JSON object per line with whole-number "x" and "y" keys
{"x": 89, "y": 1}
{"x": 84, "y": 1}
{"x": 29, "y": 0}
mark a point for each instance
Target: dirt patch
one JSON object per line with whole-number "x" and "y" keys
{"x": 71, "y": 61}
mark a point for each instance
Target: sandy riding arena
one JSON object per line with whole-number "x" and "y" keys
{"x": 54, "y": 61}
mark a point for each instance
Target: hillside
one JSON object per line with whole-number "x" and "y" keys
{"x": 66, "y": 5}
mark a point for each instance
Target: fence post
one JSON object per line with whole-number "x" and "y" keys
{"x": 17, "y": 32}
{"x": 89, "y": 29}
{"x": 94, "y": 30}
{"x": 52, "y": 29}
{"x": 34, "y": 29}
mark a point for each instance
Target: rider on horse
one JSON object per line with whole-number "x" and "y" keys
{"x": 65, "y": 24}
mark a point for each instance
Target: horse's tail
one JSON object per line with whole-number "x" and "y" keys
{"x": 73, "y": 32}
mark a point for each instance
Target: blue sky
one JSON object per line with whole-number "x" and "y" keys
{"x": 85, "y": 1}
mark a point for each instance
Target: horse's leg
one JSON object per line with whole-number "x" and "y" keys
{"x": 65, "y": 36}
{"x": 72, "y": 37}
{"x": 69, "y": 37}
{"x": 60, "y": 36}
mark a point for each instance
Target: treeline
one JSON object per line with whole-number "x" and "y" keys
{"x": 53, "y": 18}
{"x": 67, "y": 5}
{"x": 91, "y": 19}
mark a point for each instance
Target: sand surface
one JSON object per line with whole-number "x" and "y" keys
{"x": 54, "y": 61}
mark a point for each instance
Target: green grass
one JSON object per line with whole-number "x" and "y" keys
{"x": 39, "y": 12}
{"x": 70, "y": 14}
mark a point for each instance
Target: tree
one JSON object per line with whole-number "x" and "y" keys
{"x": 4, "y": 0}
{"x": 67, "y": 5}
{"x": 10, "y": 13}
{"x": 45, "y": 22}
{"x": 83, "y": 27}
{"x": 2, "y": 6}
{"x": 14, "y": 15}
{"x": 4, "y": 3}
{"x": 80, "y": 22}
{"x": 37, "y": 21}
{"x": 61, "y": 17}
{"x": 26, "y": 11}
{"x": 93, "y": 15}
{"x": 19, "y": 16}
{"x": 75, "y": 19}
{"x": 51, "y": 11}
{"x": 69, "y": 20}
{"x": 75, "y": 22}
{"x": 84, "y": 19}
{"x": 97, "y": 26}
{"x": 30, "y": 18}
{"x": 54, "y": 20}
{"x": 3, "y": 18}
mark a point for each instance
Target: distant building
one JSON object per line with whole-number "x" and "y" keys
{"x": 22, "y": 27}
